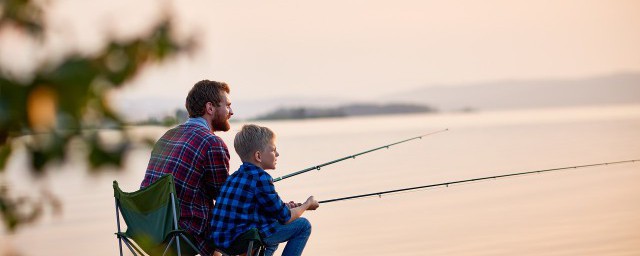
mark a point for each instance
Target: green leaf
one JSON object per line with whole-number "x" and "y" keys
{"x": 5, "y": 152}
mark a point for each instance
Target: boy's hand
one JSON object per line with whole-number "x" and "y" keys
{"x": 312, "y": 203}
{"x": 293, "y": 204}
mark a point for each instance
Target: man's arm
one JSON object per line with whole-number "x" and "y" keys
{"x": 216, "y": 168}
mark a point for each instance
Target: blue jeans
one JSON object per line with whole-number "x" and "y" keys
{"x": 295, "y": 234}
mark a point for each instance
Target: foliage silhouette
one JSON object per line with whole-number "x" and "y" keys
{"x": 66, "y": 99}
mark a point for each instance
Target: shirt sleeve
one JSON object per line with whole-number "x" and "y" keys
{"x": 216, "y": 168}
{"x": 270, "y": 201}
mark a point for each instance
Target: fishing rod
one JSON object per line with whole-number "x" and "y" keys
{"x": 470, "y": 180}
{"x": 317, "y": 167}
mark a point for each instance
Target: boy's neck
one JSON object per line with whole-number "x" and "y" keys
{"x": 253, "y": 162}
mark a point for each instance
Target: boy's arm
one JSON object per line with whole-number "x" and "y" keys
{"x": 269, "y": 201}
{"x": 310, "y": 204}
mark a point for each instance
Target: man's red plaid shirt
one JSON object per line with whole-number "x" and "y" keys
{"x": 199, "y": 162}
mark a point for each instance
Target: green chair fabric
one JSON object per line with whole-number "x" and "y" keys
{"x": 151, "y": 216}
{"x": 245, "y": 243}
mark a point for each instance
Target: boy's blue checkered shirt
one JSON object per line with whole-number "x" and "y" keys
{"x": 247, "y": 200}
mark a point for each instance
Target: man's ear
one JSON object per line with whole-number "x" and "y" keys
{"x": 210, "y": 108}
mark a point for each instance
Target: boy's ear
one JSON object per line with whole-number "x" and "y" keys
{"x": 258, "y": 156}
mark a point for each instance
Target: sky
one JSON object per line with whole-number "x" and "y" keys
{"x": 361, "y": 49}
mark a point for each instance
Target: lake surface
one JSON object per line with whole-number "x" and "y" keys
{"x": 589, "y": 211}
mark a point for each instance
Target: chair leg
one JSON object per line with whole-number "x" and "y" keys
{"x": 250, "y": 250}
{"x": 135, "y": 247}
{"x": 175, "y": 221}
{"x": 118, "y": 223}
{"x": 168, "y": 246}
{"x": 120, "y": 245}
{"x": 178, "y": 243}
{"x": 131, "y": 247}
{"x": 191, "y": 244}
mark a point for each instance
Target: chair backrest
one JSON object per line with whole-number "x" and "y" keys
{"x": 148, "y": 213}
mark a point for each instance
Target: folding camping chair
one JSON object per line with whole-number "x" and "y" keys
{"x": 151, "y": 215}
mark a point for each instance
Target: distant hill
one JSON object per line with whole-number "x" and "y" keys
{"x": 612, "y": 89}
{"x": 343, "y": 111}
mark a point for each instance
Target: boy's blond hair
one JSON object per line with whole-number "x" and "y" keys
{"x": 252, "y": 138}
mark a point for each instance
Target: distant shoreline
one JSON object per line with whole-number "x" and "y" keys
{"x": 295, "y": 113}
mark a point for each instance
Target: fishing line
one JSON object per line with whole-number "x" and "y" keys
{"x": 446, "y": 184}
{"x": 317, "y": 167}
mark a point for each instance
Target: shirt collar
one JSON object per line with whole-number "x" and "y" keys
{"x": 199, "y": 121}
{"x": 248, "y": 165}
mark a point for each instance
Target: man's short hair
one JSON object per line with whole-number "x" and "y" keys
{"x": 250, "y": 139}
{"x": 203, "y": 92}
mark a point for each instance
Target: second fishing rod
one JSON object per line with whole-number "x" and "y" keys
{"x": 317, "y": 167}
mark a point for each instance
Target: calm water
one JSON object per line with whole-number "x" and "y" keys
{"x": 592, "y": 211}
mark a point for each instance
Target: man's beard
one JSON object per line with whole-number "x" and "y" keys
{"x": 220, "y": 123}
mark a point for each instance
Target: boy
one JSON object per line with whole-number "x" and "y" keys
{"x": 248, "y": 199}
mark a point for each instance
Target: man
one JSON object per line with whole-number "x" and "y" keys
{"x": 196, "y": 157}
